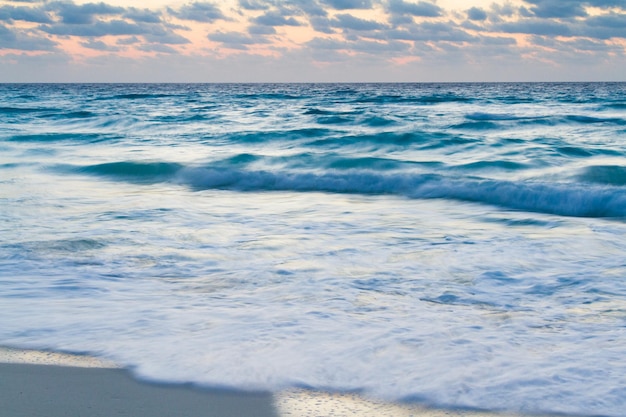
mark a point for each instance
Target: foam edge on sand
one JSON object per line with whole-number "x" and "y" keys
{"x": 288, "y": 403}
{"x": 38, "y": 357}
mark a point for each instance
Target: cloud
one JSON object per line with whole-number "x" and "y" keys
{"x": 348, "y": 4}
{"x": 114, "y": 27}
{"x": 23, "y": 41}
{"x": 423, "y": 9}
{"x": 498, "y": 41}
{"x": 369, "y": 34}
{"x": 253, "y": 5}
{"x": 536, "y": 27}
{"x": 99, "y": 46}
{"x": 73, "y": 14}
{"x": 568, "y": 8}
{"x": 606, "y": 26}
{"x": 339, "y": 48}
{"x": 476, "y": 13}
{"x": 159, "y": 34}
{"x": 132, "y": 40}
{"x": 235, "y": 40}
{"x": 144, "y": 16}
{"x": 557, "y": 8}
{"x": 261, "y": 30}
{"x": 198, "y": 12}
{"x": 274, "y": 18}
{"x": 26, "y": 14}
{"x": 310, "y": 8}
{"x": 155, "y": 47}
{"x": 347, "y": 21}
{"x": 431, "y": 31}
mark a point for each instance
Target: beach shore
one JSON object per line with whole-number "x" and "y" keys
{"x": 43, "y": 384}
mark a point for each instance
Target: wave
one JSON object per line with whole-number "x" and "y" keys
{"x": 620, "y": 105}
{"x": 604, "y": 174}
{"x": 59, "y": 137}
{"x": 493, "y": 165}
{"x": 21, "y": 110}
{"x": 480, "y": 116}
{"x": 606, "y": 199}
{"x": 80, "y": 114}
{"x": 476, "y": 125}
{"x": 480, "y": 120}
{"x": 560, "y": 199}
{"x": 138, "y": 172}
{"x": 423, "y": 140}
{"x": 135, "y": 96}
{"x": 269, "y": 96}
{"x": 589, "y": 119}
{"x": 277, "y": 135}
{"x": 429, "y": 99}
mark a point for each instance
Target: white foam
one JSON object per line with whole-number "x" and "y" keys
{"x": 303, "y": 403}
{"x": 37, "y": 357}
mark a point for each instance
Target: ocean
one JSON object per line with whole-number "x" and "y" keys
{"x": 456, "y": 245}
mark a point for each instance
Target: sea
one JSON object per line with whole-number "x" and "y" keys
{"x": 458, "y": 245}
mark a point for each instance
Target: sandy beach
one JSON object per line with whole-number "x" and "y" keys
{"x": 46, "y": 384}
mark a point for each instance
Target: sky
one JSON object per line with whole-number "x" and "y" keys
{"x": 312, "y": 40}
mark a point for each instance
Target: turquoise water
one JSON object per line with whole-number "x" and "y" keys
{"x": 458, "y": 245}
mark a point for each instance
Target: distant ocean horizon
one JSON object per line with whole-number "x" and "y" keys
{"x": 456, "y": 244}
{"x": 294, "y": 83}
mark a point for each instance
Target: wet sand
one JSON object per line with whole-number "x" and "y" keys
{"x": 45, "y": 384}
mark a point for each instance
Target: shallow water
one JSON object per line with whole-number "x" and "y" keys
{"x": 458, "y": 245}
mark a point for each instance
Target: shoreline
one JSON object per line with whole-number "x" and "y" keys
{"x": 48, "y": 384}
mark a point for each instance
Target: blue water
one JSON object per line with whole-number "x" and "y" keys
{"x": 458, "y": 245}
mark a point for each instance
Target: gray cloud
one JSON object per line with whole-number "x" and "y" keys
{"x": 387, "y": 47}
{"x": 605, "y": 26}
{"x": 325, "y": 43}
{"x": 568, "y": 8}
{"x": 198, "y": 12}
{"x": 275, "y": 18}
{"x": 26, "y": 14}
{"x": 156, "y": 47}
{"x": 99, "y": 46}
{"x": 592, "y": 46}
{"x": 359, "y": 45}
{"x": 99, "y": 28}
{"x": 348, "y": 4}
{"x": 261, "y": 30}
{"x": 431, "y": 31}
{"x": 158, "y": 34}
{"x": 73, "y": 14}
{"x": 132, "y": 40}
{"x": 310, "y": 8}
{"x": 235, "y": 40}
{"x": 145, "y": 15}
{"x": 253, "y": 5}
{"x": 436, "y": 42}
{"x": 285, "y": 8}
{"x": 557, "y": 8}
{"x": 498, "y": 10}
{"x": 347, "y": 21}
{"x": 497, "y": 41}
{"x": 536, "y": 27}
{"x": 476, "y": 13}
{"x": 424, "y": 9}
{"x": 321, "y": 24}
{"x": 24, "y": 41}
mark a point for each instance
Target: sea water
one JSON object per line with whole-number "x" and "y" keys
{"x": 458, "y": 245}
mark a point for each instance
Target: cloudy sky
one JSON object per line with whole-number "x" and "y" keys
{"x": 312, "y": 40}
